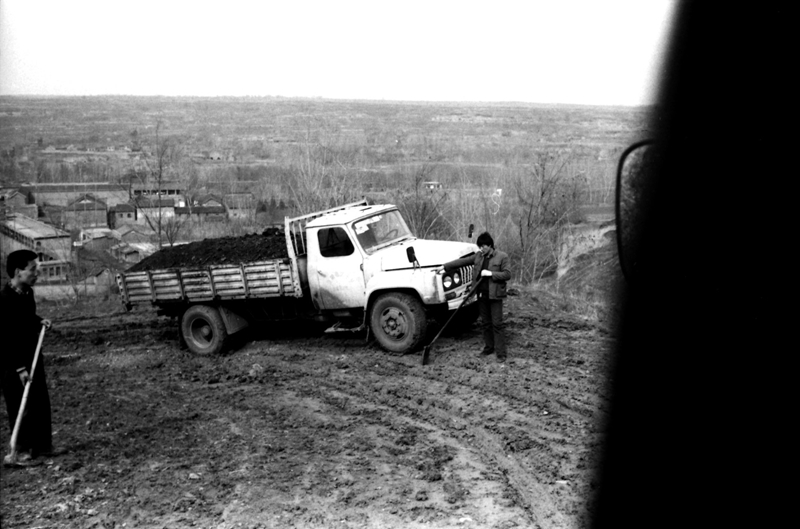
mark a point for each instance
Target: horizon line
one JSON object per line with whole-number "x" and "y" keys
{"x": 327, "y": 98}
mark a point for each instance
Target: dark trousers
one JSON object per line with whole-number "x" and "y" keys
{"x": 491, "y": 312}
{"x": 35, "y": 431}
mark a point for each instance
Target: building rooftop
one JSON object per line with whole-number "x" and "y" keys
{"x": 33, "y": 228}
{"x": 74, "y": 187}
{"x": 201, "y": 210}
{"x": 127, "y": 228}
{"x": 87, "y": 202}
{"x": 142, "y": 203}
{"x": 204, "y": 199}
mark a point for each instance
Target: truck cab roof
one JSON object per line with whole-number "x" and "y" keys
{"x": 348, "y": 215}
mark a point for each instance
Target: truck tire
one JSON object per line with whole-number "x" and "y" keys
{"x": 203, "y": 330}
{"x": 398, "y": 322}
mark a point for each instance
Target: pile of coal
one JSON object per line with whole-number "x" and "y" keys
{"x": 222, "y": 250}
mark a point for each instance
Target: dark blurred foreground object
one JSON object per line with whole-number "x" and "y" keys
{"x": 701, "y": 425}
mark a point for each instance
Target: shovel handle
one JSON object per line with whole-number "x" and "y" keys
{"x": 466, "y": 297}
{"x": 21, "y": 412}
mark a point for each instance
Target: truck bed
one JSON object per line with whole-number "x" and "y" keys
{"x": 189, "y": 277}
{"x": 261, "y": 279}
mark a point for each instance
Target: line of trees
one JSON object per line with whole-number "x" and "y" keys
{"x": 525, "y": 206}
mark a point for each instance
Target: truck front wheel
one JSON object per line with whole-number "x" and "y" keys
{"x": 398, "y": 322}
{"x": 203, "y": 330}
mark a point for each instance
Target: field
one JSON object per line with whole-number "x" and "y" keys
{"x": 296, "y": 429}
{"x": 252, "y": 129}
{"x": 299, "y": 429}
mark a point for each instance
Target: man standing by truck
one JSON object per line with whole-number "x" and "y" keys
{"x": 20, "y": 328}
{"x": 490, "y": 267}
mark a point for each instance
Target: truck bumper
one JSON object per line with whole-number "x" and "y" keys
{"x": 454, "y": 303}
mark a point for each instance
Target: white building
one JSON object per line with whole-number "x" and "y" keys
{"x": 52, "y": 245}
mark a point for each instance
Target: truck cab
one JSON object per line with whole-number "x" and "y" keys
{"x": 365, "y": 269}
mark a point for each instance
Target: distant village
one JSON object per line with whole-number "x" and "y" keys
{"x": 105, "y": 225}
{"x": 85, "y": 232}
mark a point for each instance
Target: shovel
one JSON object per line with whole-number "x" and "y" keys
{"x": 11, "y": 458}
{"x": 426, "y": 353}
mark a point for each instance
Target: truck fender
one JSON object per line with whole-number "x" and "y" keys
{"x": 375, "y": 294}
{"x": 422, "y": 283}
{"x": 233, "y": 322}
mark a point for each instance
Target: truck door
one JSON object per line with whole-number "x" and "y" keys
{"x": 335, "y": 269}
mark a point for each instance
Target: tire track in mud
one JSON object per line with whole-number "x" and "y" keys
{"x": 392, "y": 440}
{"x": 510, "y": 429}
{"x": 487, "y": 446}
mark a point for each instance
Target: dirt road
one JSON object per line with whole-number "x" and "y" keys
{"x": 293, "y": 430}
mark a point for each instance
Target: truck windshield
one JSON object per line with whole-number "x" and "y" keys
{"x": 381, "y": 230}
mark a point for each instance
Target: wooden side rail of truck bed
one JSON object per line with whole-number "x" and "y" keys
{"x": 262, "y": 279}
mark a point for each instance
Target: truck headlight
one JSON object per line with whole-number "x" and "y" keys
{"x": 457, "y": 278}
{"x": 447, "y": 282}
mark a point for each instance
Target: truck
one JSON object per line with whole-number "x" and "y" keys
{"x": 356, "y": 267}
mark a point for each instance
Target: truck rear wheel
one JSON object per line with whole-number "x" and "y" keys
{"x": 203, "y": 330}
{"x": 398, "y": 322}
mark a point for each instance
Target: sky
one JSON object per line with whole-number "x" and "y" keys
{"x": 541, "y": 51}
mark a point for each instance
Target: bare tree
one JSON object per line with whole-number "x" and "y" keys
{"x": 422, "y": 207}
{"x": 546, "y": 196}
{"x": 155, "y": 173}
{"x": 171, "y": 228}
{"x": 322, "y": 175}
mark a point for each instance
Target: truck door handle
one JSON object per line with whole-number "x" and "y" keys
{"x": 320, "y": 273}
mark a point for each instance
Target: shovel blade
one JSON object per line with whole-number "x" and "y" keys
{"x": 426, "y": 355}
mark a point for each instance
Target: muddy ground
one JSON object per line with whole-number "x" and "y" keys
{"x": 316, "y": 431}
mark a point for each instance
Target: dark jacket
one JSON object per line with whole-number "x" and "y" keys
{"x": 20, "y": 328}
{"x": 498, "y": 266}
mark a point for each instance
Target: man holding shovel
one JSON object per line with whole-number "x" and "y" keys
{"x": 21, "y": 327}
{"x": 490, "y": 267}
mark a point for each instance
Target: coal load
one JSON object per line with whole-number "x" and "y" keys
{"x": 219, "y": 251}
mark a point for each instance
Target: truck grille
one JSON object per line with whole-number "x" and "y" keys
{"x": 466, "y": 275}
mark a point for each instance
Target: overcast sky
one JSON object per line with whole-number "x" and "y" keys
{"x": 542, "y": 51}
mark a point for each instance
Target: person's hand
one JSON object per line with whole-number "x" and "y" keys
{"x": 486, "y": 273}
{"x": 24, "y": 376}
{"x": 440, "y": 270}
{"x": 47, "y": 323}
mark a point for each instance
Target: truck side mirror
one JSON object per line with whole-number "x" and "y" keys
{"x": 635, "y": 182}
{"x": 471, "y": 229}
{"x": 412, "y": 257}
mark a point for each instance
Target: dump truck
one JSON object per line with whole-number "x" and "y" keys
{"x": 356, "y": 267}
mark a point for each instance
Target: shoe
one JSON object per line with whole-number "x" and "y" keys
{"x": 485, "y": 353}
{"x": 21, "y": 459}
{"x": 50, "y": 452}
{"x": 501, "y": 360}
